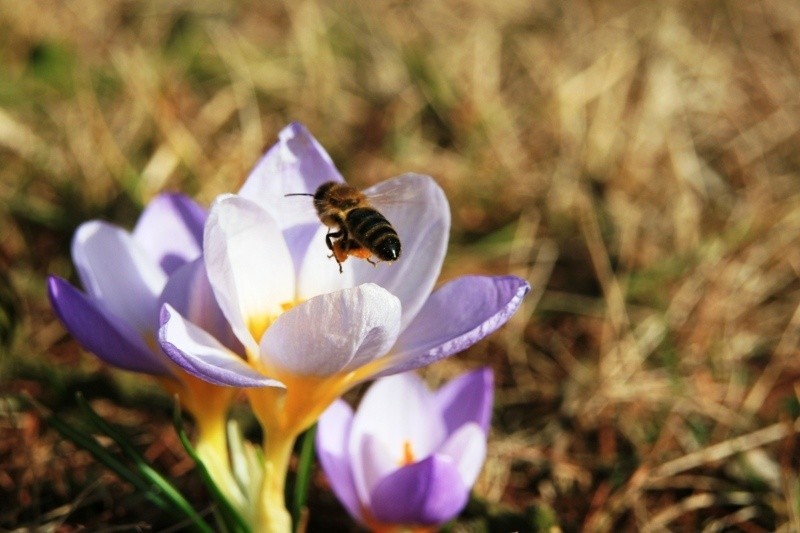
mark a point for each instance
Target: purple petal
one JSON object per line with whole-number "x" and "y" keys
{"x": 333, "y": 432}
{"x": 171, "y": 230}
{"x": 456, "y": 316}
{"x": 467, "y": 448}
{"x": 101, "y": 332}
{"x": 467, "y": 398}
{"x": 370, "y": 462}
{"x": 429, "y": 492}
{"x": 201, "y": 355}
{"x": 117, "y": 271}
{"x": 189, "y": 292}
{"x": 396, "y": 412}
{"x": 421, "y": 216}
{"x": 296, "y": 164}
{"x": 334, "y": 332}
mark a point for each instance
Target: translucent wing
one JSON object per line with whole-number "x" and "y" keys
{"x": 386, "y": 193}
{"x": 390, "y": 192}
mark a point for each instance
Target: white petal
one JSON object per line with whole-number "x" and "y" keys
{"x": 248, "y": 264}
{"x": 319, "y": 274}
{"x": 371, "y": 461}
{"x": 467, "y": 447}
{"x": 117, "y": 272}
{"x": 170, "y": 230}
{"x": 422, "y": 222}
{"x": 201, "y": 355}
{"x": 397, "y": 410}
{"x": 189, "y": 292}
{"x": 296, "y": 164}
{"x": 334, "y": 332}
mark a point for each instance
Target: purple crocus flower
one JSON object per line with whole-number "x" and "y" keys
{"x": 408, "y": 457}
{"x": 301, "y": 322}
{"x": 309, "y": 332}
{"x": 127, "y": 277}
{"x": 124, "y": 274}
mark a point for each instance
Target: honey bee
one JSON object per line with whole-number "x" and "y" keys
{"x": 355, "y": 228}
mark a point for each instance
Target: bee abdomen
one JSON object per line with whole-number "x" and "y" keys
{"x": 374, "y": 232}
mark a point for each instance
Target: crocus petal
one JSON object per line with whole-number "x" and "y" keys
{"x": 248, "y": 265}
{"x": 427, "y": 492}
{"x": 333, "y": 431}
{"x": 297, "y": 164}
{"x": 371, "y": 461}
{"x": 456, "y": 316}
{"x": 117, "y": 271}
{"x": 467, "y": 448}
{"x": 319, "y": 273}
{"x": 189, "y": 292}
{"x": 201, "y": 355}
{"x": 397, "y": 410}
{"x": 333, "y": 332}
{"x": 298, "y": 239}
{"x": 100, "y": 332}
{"x": 467, "y": 398}
{"x": 170, "y": 230}
{"x": 421, "y": 216}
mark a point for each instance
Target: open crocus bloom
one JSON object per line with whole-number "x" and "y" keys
{"x": 408, "y": 457}
{"x": 310, "y": 332}
{"x": 127, "y": 277}
{"x": 305, "y": 326}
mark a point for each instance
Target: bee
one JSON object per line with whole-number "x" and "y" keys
{"x": 355, "y": 228}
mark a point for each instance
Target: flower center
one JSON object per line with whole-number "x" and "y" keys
{"x": 258, "y": 324}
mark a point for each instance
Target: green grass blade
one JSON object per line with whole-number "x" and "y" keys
{"x": 102, "y": 455}
{"x": 231, "y": 518}
{"x": 303, "y": 479}
{"x": 172, "y": 495}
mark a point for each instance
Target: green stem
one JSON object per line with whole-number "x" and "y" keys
{"x": 303, "y": 474}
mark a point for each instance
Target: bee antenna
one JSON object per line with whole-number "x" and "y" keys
{"x": 299, "y": 194}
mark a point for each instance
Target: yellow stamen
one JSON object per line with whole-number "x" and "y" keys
{"x": 258, "y": 324}
{"x": 408, "y": 454}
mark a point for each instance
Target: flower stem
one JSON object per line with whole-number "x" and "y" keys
{"x": 212, "y": 448}
{"x": 272, "y": 515}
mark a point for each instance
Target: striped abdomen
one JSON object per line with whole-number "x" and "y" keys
{"x": 372, "y": 231}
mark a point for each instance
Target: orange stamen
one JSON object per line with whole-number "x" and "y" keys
{"x": 408, "y": 454}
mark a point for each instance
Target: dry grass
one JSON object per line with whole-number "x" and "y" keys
{"x": 635, "y": 161}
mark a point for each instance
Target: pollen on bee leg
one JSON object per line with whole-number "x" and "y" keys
{"x": 339, "y": 251}
{"x": 361, "y": 253}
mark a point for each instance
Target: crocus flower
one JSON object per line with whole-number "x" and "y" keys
{"x": 310, "y": 333}
{"x": 127, "y": 277}
{"x": 408, "y": 457}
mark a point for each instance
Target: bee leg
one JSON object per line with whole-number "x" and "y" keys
{"x": 331, "y": 236}
{"x": 340, "y": 250}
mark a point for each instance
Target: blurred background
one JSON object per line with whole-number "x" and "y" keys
{"x": 637, "y": 162}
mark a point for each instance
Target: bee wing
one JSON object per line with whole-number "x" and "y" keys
{"x": 298, "y": 208}
{"x": 390, "y": 192}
